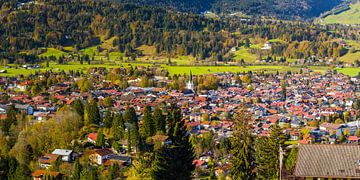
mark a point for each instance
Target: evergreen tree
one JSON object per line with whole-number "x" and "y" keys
{"x": 160, "y": 121}
{"x": 148, "y": 123}
{"x": 134, "y": 135}
{"x": 91, "y": 113}
{"x": 89, "y": 173}
{"x": 291, "y": 160}
{"x": 267, "y": 154}
{"x": 108, "y": 119}
{"x": 175, "y": 115}
{"x": 10, "y": 119}
{"x": 130, "y": 115}
{"x": 100, "y": 139}
{"x": 112, "y": 171}
{"x": 118, "y": 127}
{"x": 283, "y": 90}
{"x": 175, "y": 161}
{"x": 131, "y": 118}
{"x": 76, "y": 173}
{"x": 78, "y": 106}
{"x": 242, "y": 152}
{"x": 22, "y": 173}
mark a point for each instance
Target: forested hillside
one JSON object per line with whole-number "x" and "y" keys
{"x": 194, "y": 6}
{"x": 289, "y": 9}
{"x": 80, "y": 24}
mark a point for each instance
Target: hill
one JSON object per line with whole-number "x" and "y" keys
{"x": 290, "y": 9}
{"x": 98, "y": 30}
{"x": 350, "y": 15}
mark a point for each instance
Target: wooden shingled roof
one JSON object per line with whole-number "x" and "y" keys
{"x": 328, "y": 161}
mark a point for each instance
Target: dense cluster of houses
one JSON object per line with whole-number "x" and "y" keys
{"x": 304, "y": 98}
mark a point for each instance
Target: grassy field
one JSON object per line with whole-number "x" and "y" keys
{"x": 197, "y": 70}
{"x": 53, "y": 52}
{"x": 243, "y": 53}
{"x": 351, "y": 16}
{"x": 349, "y": 71}
{"x": 350, "y": 57}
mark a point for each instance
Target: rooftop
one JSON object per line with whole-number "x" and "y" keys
{"x": 333, "y": 161}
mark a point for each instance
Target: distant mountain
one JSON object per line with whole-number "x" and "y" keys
{"x": 289, "y": 9}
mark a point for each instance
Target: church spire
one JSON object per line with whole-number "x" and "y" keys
{"x": 190, "y": 84}
{"x": 190, "y": 76}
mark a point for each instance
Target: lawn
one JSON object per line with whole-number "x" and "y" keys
{"x": 197, "y": 70}
{"x": 90, "y": 51}
{"x": 351, "y": 16}
{"x": 350, "y": 57}
{"x": 349, "y": 71}
{"x": 53, "y": 52}
{"x": 291, "y": 142}
{"x": 115, "y": 56}
{"x": 243, "y": 53}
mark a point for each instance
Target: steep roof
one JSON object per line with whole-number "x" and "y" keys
{"x": 335, "y": 161}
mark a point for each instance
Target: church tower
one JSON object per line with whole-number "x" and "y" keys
{"x": 190, "y": 84}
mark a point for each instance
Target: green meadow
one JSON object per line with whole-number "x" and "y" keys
{"x": 351, "y": 16}
{"x": 53, "y": 52}
{"x": 179, "y": 64}
{"x": 197, "y": 70}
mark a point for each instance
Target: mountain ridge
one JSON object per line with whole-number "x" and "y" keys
{"x": 289, "y": 9}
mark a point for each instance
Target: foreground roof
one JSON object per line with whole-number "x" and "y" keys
{"x": 335, "y": 161}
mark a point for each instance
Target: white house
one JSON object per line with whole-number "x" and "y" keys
{"x": 66, "y": 155}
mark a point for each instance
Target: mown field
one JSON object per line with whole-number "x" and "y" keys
{"x": 179, "y": 64}
{"x": 351, "y": 16}
{"x": 197, "y": 70}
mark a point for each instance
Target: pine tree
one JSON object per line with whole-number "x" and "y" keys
{"x": 291, "y": 160}
{"x": 118, "y": 127}
{"x": 160, "y": 121}
{"x": 76, "y": 170}
{"x": 10, "y": 119}
{"x": 130, "y": 115}
{"x": 78, "y": 106}
{"x": 283, "y": 90}
{"x": 100, "y": 139}
{"x": 112, "y": 171}
{"x": 175, "y": 161}
{"x": 108, "y": 119}
{"x": 89, "y": 173}
{"x": 175, "y": 115}
{"x": 242, "y": 152}
{"x": 148, "y": 123}
{"x": 267, "y": 154}
{"x": 134, "y": 135}
{"x": 91, "y": 113}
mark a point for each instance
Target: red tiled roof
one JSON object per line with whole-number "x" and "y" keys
{"x": 92, "y": 136}
{"x": 198, "y": 163}
{"x": 3, "y": 116}
{"x": 353, "y": 138}
{"x": 40, "y": 173}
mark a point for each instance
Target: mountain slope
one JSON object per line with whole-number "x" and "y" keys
{"x": 350, "y": 15}
{"x": 195, "y": 6}
{"x": 289, "y": 9}
{"x": 279, "y": 8}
